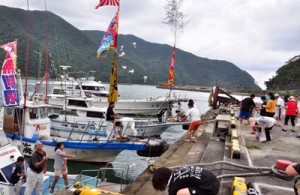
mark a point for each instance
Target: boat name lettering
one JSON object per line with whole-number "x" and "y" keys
{"x": 7, "y": 152}
{"x": 27, "y": 148}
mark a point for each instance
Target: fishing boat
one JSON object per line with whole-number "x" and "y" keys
{"x": 97, "y": 91}
{"x": 37, "y": 127}
{"x": 82, "y": 118}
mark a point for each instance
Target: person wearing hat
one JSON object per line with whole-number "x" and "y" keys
{"x": 265, "y": 123}
{"x": 37, "y": 166}
{"x": 291, "y": 113}
{"x": 185, "y": 181}
{"x": 279, "y": 105}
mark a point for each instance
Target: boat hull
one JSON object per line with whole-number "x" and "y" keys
{"x": 99, "y": 152}
{"x": 136, "y": 107}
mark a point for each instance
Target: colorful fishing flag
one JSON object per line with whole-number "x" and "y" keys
{"x": 108, "y": 2}
{"x": 8, "y": 81}
{"x": 113, "y": 88}
{"x": 109, "y": 40}
{"x": 171, "y": 73}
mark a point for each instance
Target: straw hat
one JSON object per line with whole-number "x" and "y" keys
{"x": 276, "y": 95}
{"x": 292, "y": 98}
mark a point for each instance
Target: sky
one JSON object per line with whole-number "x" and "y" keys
{"x": 258, "y": 36}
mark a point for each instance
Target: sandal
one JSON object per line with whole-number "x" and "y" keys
{"x": 51, "y": 190}
{"x": 283, "y": 130}
{"x": 187, "y": 140}
{"x": 194, "y": 140}
{"x": 293, "y": 130}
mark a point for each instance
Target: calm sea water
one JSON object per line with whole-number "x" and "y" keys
{"x": 136, "y": 163}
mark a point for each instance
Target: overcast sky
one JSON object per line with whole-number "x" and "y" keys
{"x": 258, "y": 36}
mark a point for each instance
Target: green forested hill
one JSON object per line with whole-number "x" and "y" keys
{"x": 70, "y": 46}
{"x": 287, "y": 77}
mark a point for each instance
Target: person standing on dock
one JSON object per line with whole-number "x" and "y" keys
{"x": 60, "y": 165}
{"x": 37, "y": 166}
{"x": 185, "y": 181}
{"x": 271, "y": 105}
{"x": 194, "y": 117}
{"x": 246, "y": 105}
{"x": 291, "y": 113}
{"x": 279, "y": 106}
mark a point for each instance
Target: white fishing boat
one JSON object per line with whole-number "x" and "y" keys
{"x": 90, "y": 148}
{"x": 79, "y": 116}
{"x": 97, "y": 91}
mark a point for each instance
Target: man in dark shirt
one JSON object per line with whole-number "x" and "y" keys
{"x": 246, "y": 106}
{"x": 110, "y": 113}
{"x": 37, "y": 165}
{"x": 294, "y": 169}
{"x": 17, "y": 172}
{"x": 186, "y": 180}
{"x": 112, "y": 116}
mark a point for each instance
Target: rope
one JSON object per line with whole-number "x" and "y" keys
{"x": 259, "y": 171}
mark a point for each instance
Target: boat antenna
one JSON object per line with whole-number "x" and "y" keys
{"x": 47, "y": 55}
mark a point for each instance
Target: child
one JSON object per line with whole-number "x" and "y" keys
{"x": 17, "y": 171}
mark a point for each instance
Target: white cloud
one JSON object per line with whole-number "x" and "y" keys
{"x": 258, "y": 36}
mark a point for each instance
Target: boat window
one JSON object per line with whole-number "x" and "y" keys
{"x": 3, "y": 139}
{"x": 93, "y": 88}
{"x": 58, "y": 91}
{"x": 102, "y": 89}
{"x": 69, "y": 112}
{"x": 9, "y": 110}
{"x": 90, "y": 103}
{"x": 2, "y": 178}
{"x": 95, "y": 114}
{"x": 33, "y": 113}
{"x": 77, "y": 103}
{"x": 54, "y": 110}
{"x": 6, "y": 172}
{"x": 77, "y": 87}
{"x": 43, "y": 112}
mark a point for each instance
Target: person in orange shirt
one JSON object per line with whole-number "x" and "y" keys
{"x": 271, "y": 105}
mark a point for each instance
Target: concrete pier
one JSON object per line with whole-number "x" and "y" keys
{"x": 210, "y": 148}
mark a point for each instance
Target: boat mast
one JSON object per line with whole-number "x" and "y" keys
{"x": 26, "y": 73}
{"x": 47, "y": 54}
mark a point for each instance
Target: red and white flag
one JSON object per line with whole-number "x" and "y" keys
{"x": 108, "y": 2}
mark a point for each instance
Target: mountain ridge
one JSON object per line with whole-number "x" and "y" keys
{"x": 77, "y": 48}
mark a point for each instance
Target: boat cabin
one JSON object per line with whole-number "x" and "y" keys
{"x": 37, "y": 123}
{"x": 72, "y": 88}
{"x": 8, "y": 158}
